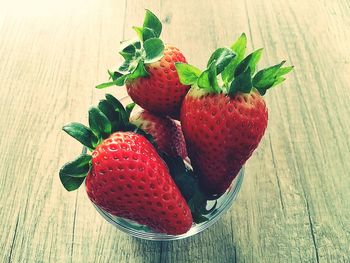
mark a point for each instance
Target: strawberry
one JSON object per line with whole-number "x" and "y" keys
{"x": 148, "y": 71}
{"x": 161, "y": 92}
{"x": 128, "y": 179}
{"x": 125, "y": 176}
{"x": 166, "y": 133}
{"x": 223, "y": 124}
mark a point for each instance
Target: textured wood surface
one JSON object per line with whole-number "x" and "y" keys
{"x": 294, "y": 205}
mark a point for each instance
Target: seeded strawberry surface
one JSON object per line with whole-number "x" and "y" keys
{"x": 221, "y": 133}
{"x": 128, "y": 179}
{"x": 161, "y": 92}
{"x": 179, "y": 144}
{"x": 166, "y": 133}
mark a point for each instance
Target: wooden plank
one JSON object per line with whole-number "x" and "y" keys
{"x": 300, "y": 172}
{"x": 49, "y": 54}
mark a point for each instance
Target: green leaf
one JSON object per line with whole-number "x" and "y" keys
{"x": 144, "y": 33}
{"x": 188, "y": 74}
{"x": 116, "y": 75}
{"x": 81, "y": 133}
{"x": 148, "y": 33}
{"x": 114, "y": 102}
{"x": 189, "y": 187}
{"x": 106, "y": 85}
{"x": 111, "y": 74}
{"x": 154, "y": 49}
{"x": 197, "y": 204}
{"x": 138, "y": 31}
{"x": 262, "y": 91}
{"x": 239, "y": 47}
{"x": 284, "y": 71}
{"x": 79, "y": 167}
{"x": 278, "y": 81}
{"x": 207, "y": 80}
{"x": 203, "y": 80}
{"x": 99, "y": 123}
{"x": 270, "y": 77}
{"x": 183, "y": 178}
{"x": 128, "y": 48}
{"x": 108, "y": 110}
{"x": 198, "y": 218}
{"x": 73, "y": 173}
{"x": 71, "y": 183}
{"x": 222, "y": 56}
{"x": 129, "y": 108}
{"x": 125, "y": 67}
{"x": 212, "y": 73}
{"x": 265, "y": 78}
{"x": 118, "y": 107}
{"x": 118, "y": 81}
{"x": 139, "y": 71}
{"x": 152, "y": 22}
{"x": 242, "y": 82}
{"x": 113, "y": 116}
{"x": 249, "y": 62}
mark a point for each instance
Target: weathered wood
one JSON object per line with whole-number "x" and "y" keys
{"x": 294, "y": 205}
{"x": 304, "y": 154}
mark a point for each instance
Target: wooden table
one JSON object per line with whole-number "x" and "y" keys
{"x": 294, "y": 205}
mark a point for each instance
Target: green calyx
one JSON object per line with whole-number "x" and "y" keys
{"x": 108, "y": 117}
{"x": 237, "y": 72}
{"x": 146, "y": 49}
{"x": 188, "y": 184}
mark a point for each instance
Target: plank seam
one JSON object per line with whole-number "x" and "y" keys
{"x": 124, "y": 19}
{"x": 233, "y": 242}
{"x": 161, "y": 252}
{"x": 249, "y": 26}
{"x": 13, "y": 239}
{"x": 312, "y": 230}
{"x": 277, "y": 178}
{"x": 74, "y": 219}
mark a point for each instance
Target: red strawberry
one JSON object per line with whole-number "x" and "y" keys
{"x": 149, "y": 72}
{"x": 222, "y": 132}
{"x": 166, "y": 133}
{"x": 125, "y": 176}
{"x": 161, "y": 92}
{"x": 128, "y": 179}
{"x": 224, "y": 124}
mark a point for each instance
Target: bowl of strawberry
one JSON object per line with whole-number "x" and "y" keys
{"x": 169, "y": 165}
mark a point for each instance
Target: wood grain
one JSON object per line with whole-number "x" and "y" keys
{"x": 294, "y": 205}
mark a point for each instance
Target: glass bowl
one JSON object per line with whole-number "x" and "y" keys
{"x": 140, "y": 231}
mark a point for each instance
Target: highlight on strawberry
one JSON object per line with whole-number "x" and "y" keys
{"x": 148, "y": 70}
{"x": 223, "y": 119}
{"x": 126, "y": 176}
